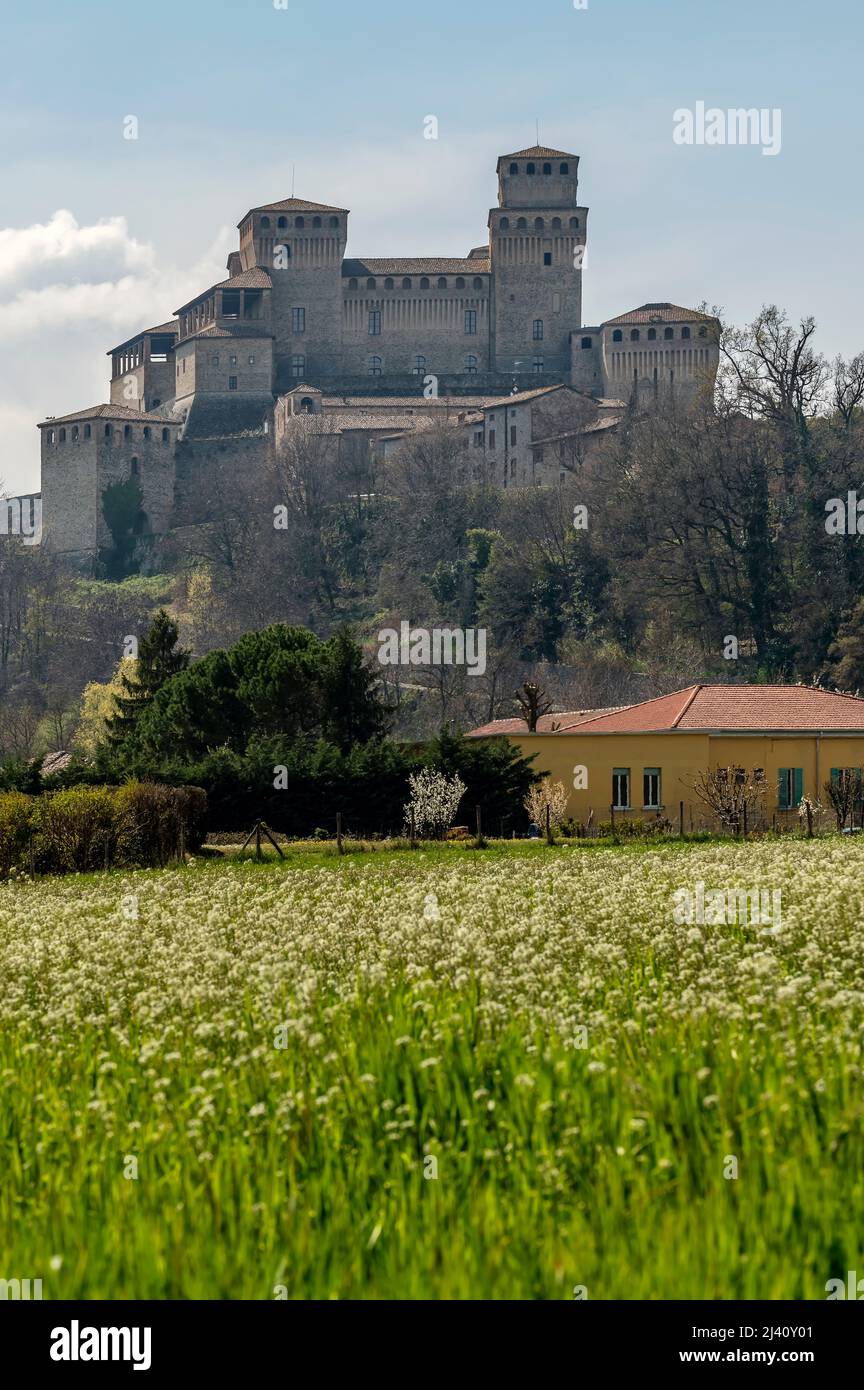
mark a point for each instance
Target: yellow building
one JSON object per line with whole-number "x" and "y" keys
{"x": 640, "y": 762}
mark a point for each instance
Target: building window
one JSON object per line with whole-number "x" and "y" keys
{"x": 232, "y": 383}
{"x": 107, "y": 431}
{"x": 537, "y": 366}
{"x": 547, "y": 168}
{"x": 460, "y": 282}
{"x": 406, "y": 282}
{"x": 147, "y": 431}
{"x": 375, "y": 365}
{"x": 470, "y": 320}
{"x": 282, "y": 222}
{"x": 621, "y": 788}
{"x": 586, "y": 343}
{"x": 251, "y": 359}
{"x": 352, "y": 283}
{"x": 442, "y": 282}
{"x": 685, "y": 332}
{"x": 651, "y": 789}
{"x": 233, "y": 360}
{"x": 471, "y": 364}
{"x": 375, "y": 323}
{"x": 388, "y": 283}
{"x": 521, "y": 225}
{"x": 514, "y": 168}
{"x": 547, "y": 257}
{"x": 478, "y": 439}
{"x": 530, "y": 168}
{"x": 478, "y": 283}
{"x": 564, "y": 169}
{"x": 652, "y": 335}
{"x": 703, "y": 332}
{"x": 504, "y": 224}
{"x": 371, "y": 283}
{"x": 537, "y": 330}
{"x": 668, "y": 333}
{"x": 265, "y": 222}
{"x": 791, "y": 787}
{"x": 298, "y": 367}
{"x": 419, "y": 368}
{"x": 634, "y": 335}
{"x": 50, "y": 436}
{"x": 617, "y": 336}
{"x": 424, "y": 283}
{"x": 512, "y": 436}
{"x": 491, "y": 439}
{"x": 165, "y": 436}
{"x": 300, "y": 222}
{"x": 74, "y": 434}
{"x": 62, "y": 436}
{"x": 574, "y": 224}
{"x": 298, "y": 320}
{"x": 214, "y": 359}
{"x": 134, "y": 466}
{"x": 334, "y": 222}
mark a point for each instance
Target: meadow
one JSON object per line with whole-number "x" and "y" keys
{"x": 506, "y": 1073}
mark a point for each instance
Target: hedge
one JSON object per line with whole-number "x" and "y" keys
{"x": 84, "y": 828}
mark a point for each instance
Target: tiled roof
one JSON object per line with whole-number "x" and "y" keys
{"x": 98, "y": 412}
{"x": 256, "y": 278}
{"x": 539, "y": 152}
{"x": 519, "y": 397}
{"x": 417, "y": 265}
{"x": 739, "y": 708}
{"x": 172, "y": 326}
{"x": 294, "y": 205}
{"x": 225, "y": 415}
{"x": 232, "y": 330}
{"x": 569, "y": 719}
{"x": 419, "y": 404}
{"x": 662, "y": 313}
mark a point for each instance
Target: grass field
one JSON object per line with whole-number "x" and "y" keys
{"x": 458, "y": 1074}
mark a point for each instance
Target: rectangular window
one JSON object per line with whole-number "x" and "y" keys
{"x": 512, "y": 434}
{"x": 214, "y": 359}
{"x": 478, "y": 439}
{"x": 547, "y": 257}
{"x": 491, "y": 439}
{"x": 298, "y": 320}
{"x": 252, "y": 359}
{"x": 232, "y": 383}
{"x": 651, "y": 789}
{"x": 470, "y": 320}
{"x": 233, "y": 361}
{"x": 621, "y": 788}
{"x": 790, "y": 788}
{"x": 512, "y": 468}
{"x": 374, "y": 323}
{"x": 537, "y": 330}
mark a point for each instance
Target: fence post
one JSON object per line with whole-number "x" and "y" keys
{"x": 339, "y": 832}
{"x": 479, "y": 825}
{"x": 413, "y": 840}
{"x": 744, "y": 822}
{"x": 258, "y": 839}
{"x": 681, "y": 819}
{"x": 612, "y": 817}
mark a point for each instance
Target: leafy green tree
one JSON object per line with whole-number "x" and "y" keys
{"x": 159, "y": 659}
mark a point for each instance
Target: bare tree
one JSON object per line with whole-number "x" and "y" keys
{"x": 731, "y": 793}
{"x": 534, "y": 703}
{"x": 844, "y": 794}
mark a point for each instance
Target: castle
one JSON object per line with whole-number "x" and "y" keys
{"x": 375, "y": 348}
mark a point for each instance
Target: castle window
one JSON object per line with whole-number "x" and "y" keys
{"x": 539, "y": 224}
{"x": 374, "y": 322}
{"x": 668, "y": 333}
{"x": 703, "y": 332}
{"x": 514, "y": 168}
{"x": 556, "y": 224}
{"x": 298, "y": 367}
{"x": 564, "y": 169}
{"x": 232, "y": 383}
{"x": 537, "y": 365}
{"x": 299, "y": 221}
{"x": 251, "y": 359}
{"x": 512, "y": 435}
{"x": 504, "y": 224}
{"x": 424, "y": 283}
{"x": 265, "y": 221}
{"x": 165, "y": 436}
{"x": 574, "y": 224}
{"x": 214, "y": 359}
{"x": 652, "y": 335}
{"x": 107, "y": 431}
{"x": 471, "y": 364}
{"x": 478, "y": 283}
{"x": 298, "y": 320}
{"x": 307, "y": 406}
{"x": 537, "y": 330}
{"x": 617, "y": 336}
{"x": 530, "y": 169}
{"x": 74, "y": 434}
{"x": 521, "y": 224}
{"x": 442, "y": 282}
{"x": 547, "y": 257}
{"x": 388, "y": 283}
{"x": 352, "y": 283}
{"x": 460, "y": 282}
{"x": 375, "y": 365}
{"x": 406, "y": 283}
{"x": 334, "y": 222}
{"x": 478, "y": 439}
{"x": 127, "y": 431}
{"x": 419, "y": 368}
{"x": 547, "y": 168}
{"x": 133, "y": 464}
{"x": 371, "y": 283}
{"x": 685, "y": 332}
{"x": 147, "y": 431}
{"x": 282, "y": 222}
{"x": 634, "y": 335}
{"x": 62, "y": 436}
{"x": 491, "y": 439}
{"x": 49, "y": 434}
{"x": 586, "y": 343}
{"x": 470, "y": 320}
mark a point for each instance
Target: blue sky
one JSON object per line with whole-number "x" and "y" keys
{"x": 230, "y": 96}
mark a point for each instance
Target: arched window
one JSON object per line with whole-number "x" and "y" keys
{"x": 165, "y": 436}
{"x": 685, "y": 332}
{"x": 442, "y": 282}
{"x": 375, "y": 365}
{"x": 424, "y": 282}
{"x": 539, "y": 224}
{"x": 556, "y": 224}
{"x": 388, "y": 283}
{"x": 352, "y": 283}
{"x": 146, "y": 431}
{"x": 652, "y": 335}
{"x": 530, "y": 169}
{"x": 107, "y": 431}
{"x": 281, "y": 221}
{"x": 371, "y": 283}
{"x": 127, "y": 431}
{"x": 564, "y": 169}
{"x": 586, "y": 343}
{"x": 547, "y": 168}
{"x": 478, "y": 283}
{"x": 471, "y": 364}
{"x": 87, "y": 431}
{"x": 634, "y": 335}
{"x": 537, "y": 330}
{"x": 334, "y": 221}
{"x": 265, "y": 223}
{"x": 298, "y": 366}
{"x": 62, "y": 436}
{"x": 514, "y": 168}
{"x": 419, "y": 368}
{"x": 74, "y": 434}
{"x": 306, "y": 406}
{"x": 521, "y": 224}
{"x": 299, "y": 221}
{"x": 574, "y": 224}
{"x": 316, "y": 221}
{"x": 537, "y": 365}
{"x": 504, "y": 224}
{"x": 406, "y": 282}
{"x": 460, "y": 282}
{"x": 617, "y": 336}
{"x": 668, "y": 333}
{"x": 133, "y": 464}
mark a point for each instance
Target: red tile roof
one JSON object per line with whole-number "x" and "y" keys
{"x": 538, "y": 152}
{"x": 569, "y": 719}
{"x": 738, "y": 708}
{"x": 100, "y": 412}
{"x": 662, "y": 313}
{"x": 294, "y": 205}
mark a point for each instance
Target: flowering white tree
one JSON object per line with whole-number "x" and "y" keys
{"x": 434, "y": 801}
{"x": 543, "y": 794}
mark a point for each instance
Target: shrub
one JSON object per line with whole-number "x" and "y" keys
{"x": 16, "y": 818}
{"x": 76, "y": 829}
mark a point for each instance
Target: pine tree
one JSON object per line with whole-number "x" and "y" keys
{"x": 159, "y": 658}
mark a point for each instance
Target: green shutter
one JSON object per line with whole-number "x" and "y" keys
{"x": 799, "y": 785}
{"x": 782, "y": 788}
{"x": 835, "y": 774}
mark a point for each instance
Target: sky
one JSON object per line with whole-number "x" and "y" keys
{"x": 235, "y": 103}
